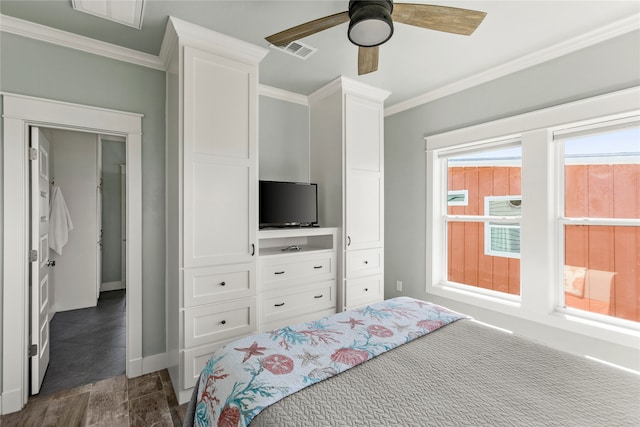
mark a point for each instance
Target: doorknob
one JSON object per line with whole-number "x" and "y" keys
{"x": 51, "y": 263}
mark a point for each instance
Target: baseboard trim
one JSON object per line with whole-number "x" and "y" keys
{"x": 111, "y": 286}
{"x": 10, "y": 401}
{"x": 134, "y": 367}
{"x": 154, "y": 363}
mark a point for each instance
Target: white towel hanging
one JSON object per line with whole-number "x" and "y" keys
{"x": 59, "y": 221}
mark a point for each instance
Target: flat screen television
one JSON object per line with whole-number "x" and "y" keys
{"x": 288, "y": 204}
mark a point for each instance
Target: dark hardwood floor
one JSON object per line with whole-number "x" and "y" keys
{"x": 85, "y": 383}
{"x": 144, "y": 401}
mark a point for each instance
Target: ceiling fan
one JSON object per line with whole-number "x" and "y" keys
{"x": 371, "y": 24}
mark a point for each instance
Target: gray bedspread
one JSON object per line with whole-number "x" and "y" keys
{"x": 466, "y": 374}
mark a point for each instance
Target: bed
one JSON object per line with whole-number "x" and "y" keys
{"x": 406, "y": 362}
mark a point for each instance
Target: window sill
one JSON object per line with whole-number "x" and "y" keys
{"x": 618, "y": 331}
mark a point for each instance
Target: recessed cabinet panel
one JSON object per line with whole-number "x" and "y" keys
{"x": 364, "y": 212}
{"x": 217, "y": 128}
{"x": 366, "y": 290}
{"x": 217, "y": 221}
{"x": 363, "y": 129}
{"x": 214, "y": 284}
{"x": 196, "y": 358}
{"x": 364, "y": 262}
{"x": 215, "y": 322}
{"x": 317, "y": 297}
{"x": 282, "y": 271}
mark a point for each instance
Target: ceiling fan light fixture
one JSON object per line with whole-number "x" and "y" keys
{"x": 370, "y": 23}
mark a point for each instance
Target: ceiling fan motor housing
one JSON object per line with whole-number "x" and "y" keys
{"x": 371, "y": 23}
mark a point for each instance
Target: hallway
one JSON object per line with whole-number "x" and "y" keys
{"x": 87, "y": 345}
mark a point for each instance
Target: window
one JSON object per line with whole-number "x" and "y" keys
{"x": 502, "y": 239}
{"x": 551, "y": 228}
{"x": 458, "y": 198}
{"x": 483, "y": 243}
{"x": 600, "y": 219}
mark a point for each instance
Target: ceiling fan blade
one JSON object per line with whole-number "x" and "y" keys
{"x": 303, "y": 30}
{"x": 367, "y": 59}
{"x": 440, "y": 18}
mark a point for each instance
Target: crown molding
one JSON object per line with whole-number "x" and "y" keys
{"x": 618, "y": 28}
{"x": 283, "y": 95}
{"x": 216, "y": 42}
{"x": 349, "y": 85}
{"x": 46, "y": 34}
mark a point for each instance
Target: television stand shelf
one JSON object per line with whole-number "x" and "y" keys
{"x": 297, "y": 272}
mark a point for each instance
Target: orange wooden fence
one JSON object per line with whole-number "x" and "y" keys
{"x": 607, "y": 191}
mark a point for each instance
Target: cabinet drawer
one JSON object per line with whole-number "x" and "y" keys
{"x": 295, "y": 268}
{"x": 365, "y": 262}
{"x": 195, "y": 359}
{"x": 215, "y": 284}
{"x": 298, "y": 301}
{"x": 364, "y": 291}
{"x": 217, "y": 322}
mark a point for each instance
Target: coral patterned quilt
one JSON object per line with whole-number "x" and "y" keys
{"x": 249, "y": 374}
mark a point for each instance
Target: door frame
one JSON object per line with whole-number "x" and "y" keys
{"x": 20, "y": 112}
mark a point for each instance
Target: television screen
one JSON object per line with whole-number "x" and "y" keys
{"x": 288, "y": 204}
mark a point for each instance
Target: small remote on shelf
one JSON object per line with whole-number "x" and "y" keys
{"x": 292, "y": 248}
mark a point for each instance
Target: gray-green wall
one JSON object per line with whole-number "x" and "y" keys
{"x": 284, "y": 140}
{"x": 44, "y": 70}
{"x": 606, "y": 67}
{"x": 113, "y": 155}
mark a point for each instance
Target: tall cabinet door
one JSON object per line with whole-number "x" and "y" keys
{"x": 220, "y": 173}
{"x": 364, "y": 173}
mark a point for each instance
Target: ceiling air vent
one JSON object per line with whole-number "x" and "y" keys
{"x": 297, "y": 49}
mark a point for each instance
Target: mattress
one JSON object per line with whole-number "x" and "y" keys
{"x": 464, "y": 373}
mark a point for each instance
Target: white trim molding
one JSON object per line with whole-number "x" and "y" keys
{"x": 154, "y": 363}
{"x": 618, "y": 28}
{"x": 19, "y": 112}
{"x": 43, "y": 33}
{"x": 283, "y": 95}
{"x": 160, "y": 62}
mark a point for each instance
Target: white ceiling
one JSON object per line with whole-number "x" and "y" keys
{"x": 413, "y": 63}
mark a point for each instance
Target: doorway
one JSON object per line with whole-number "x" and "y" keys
{"x": 19, "y": 113}
{"x": 82, "y": 284}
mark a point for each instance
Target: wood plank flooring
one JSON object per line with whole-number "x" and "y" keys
{"x": 147, "y": 401}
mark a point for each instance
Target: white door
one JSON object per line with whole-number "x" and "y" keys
{"x": 99, "y": 217}
{"x": 39, "y": 277}
{"x": 123, "y": 225}
{"x": 364, "y": 173}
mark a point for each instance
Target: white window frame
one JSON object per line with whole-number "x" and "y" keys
{"x": 559, "y": 136}
{"x": 540, "y": 267}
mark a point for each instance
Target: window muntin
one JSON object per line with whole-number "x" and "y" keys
{"x": 491, "y": 176}
{"x": 600, "y": 221}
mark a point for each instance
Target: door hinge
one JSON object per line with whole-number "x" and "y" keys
{"x": 33, "y": 350}
{"x": 33, "y": 255}
{"x": 33, "y": 153}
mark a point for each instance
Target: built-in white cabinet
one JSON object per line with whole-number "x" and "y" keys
{"x": 347, "y": 163}
{"x": 297, "y": 276}
{"x": 211, "y": 188}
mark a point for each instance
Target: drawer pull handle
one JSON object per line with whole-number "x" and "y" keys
{"x": 317, "y": 266}
{"x": 278, "y": 305}
{"x": 224, "y": 322}
{"x": 366, "y": 289}
{"x": 222, "y": 283}
{"x": 318, "y": 296}
{"x": 366, "y": 262}
{"x": 279, "y": 272}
